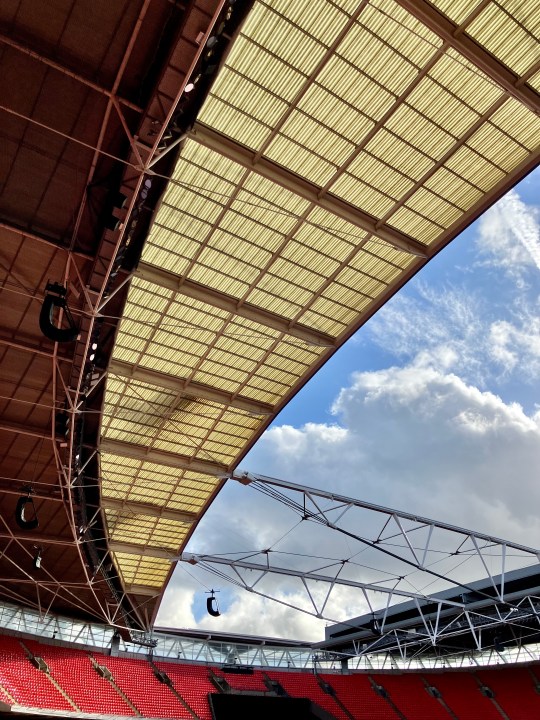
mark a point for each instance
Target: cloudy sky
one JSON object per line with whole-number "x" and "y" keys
{"x": 433, "y": 408}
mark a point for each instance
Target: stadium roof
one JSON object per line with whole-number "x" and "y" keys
{"x": 340, "y": 146}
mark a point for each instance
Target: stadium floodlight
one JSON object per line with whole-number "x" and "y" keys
{"x": 212, "y": 604}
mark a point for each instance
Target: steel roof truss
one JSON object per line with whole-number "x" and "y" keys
{"x": 456, "y": 36}
{"x": 281, "y": 176}
{"x": 187, "y": 387}
{"x": 177, "y": 283}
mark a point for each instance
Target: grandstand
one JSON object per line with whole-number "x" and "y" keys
{"x": 200, "y": 202}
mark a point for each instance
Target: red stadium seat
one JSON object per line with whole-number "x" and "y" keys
{"x": 140, "y": 691}
{"x": 73, "y": 670}
{"x": 28, "y": 686}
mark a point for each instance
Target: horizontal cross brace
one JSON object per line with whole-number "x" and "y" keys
{"x": 161, "y": 457}
{"x": 192, "y": 289}
{"x": 132, "y": 507}
{"x": 66, "y": 71}
{"x": 28, "y": 235}
{"x": 274, "y": 570}
{"x": 187, "y": 387}
{"x": 34, "y": 350}
{"x": 38, "y": 538}
{"x": 144, "y": 550}
{"x": 146, "y": 590}
{"x": 475, "y": 53}
{"x": 26, "y": 430}
{"x": 16, "y": 486}
{"x": 281, "y": 176}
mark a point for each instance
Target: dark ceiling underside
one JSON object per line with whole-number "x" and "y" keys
{"x": 85, "y": 91}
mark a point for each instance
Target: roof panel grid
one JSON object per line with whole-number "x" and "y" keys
{"x": 361, "y": 194}
{"x": 448, "y": 184}
{"x": 457, "y": 10}
{"x": 518, "y": 122}
{"x": 465, "y": 81}
{"x": 496, "y": 146}
{"x": 328, "y": 109}
{"x": 390, "y": 181}
{"x": 343, "y": 80}
{"x": 412, "y": 223}
{"x": 347, "y": 120}
{"x": 142, "y": 571}
{"x": 285, "y": 39}
{"x": 365, "y": 51}
{"x": 434, "y": 102}
{"x": 131, "y": 479}
{"x": 512, "y": 39}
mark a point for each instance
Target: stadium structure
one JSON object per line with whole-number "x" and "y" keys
{"x": 200, "y": 202}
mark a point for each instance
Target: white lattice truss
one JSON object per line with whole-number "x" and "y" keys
{"x": 455, "y": 579}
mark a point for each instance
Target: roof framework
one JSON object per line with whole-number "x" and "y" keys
{"x": 410, "y": 583}
{"x": 340, "y": 146}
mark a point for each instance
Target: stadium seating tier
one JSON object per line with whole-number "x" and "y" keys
{"x": 71, "y": 682}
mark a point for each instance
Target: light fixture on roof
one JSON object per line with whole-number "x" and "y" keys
{"x": 191, "y": 84}
{"x": 55, "y": 299}
{"x": 23, "y": 520}
{"x": 37, "y": 557}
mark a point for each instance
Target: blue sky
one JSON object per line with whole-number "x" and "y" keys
{"x": 432, "y": 407}
{"x": 463, "y": 265}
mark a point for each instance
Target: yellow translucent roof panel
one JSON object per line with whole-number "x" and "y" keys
{"x": 329, "y": 127}
{"x": 143, "y": 571}
{"x": 140, "y": 413}
{"x": 510, "y": 33}
{"x": 145, "y": 482}
{"x": 145, "y": 531}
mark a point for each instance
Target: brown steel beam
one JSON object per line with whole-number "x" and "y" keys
{"x": 25, "y": 347}
{"x": 245, "y": 157}
{"x": 146, "y": 590}
{"x": 26, "y": 430}
{"x": 16, "y": 486}
{"x": 456, "y": 36}
{"x": 143, "y": 550}
{"x": 37, "y": 537}
{"x": 27, "y": 235}
{"x": 162, "y": 457}
{"x": 139, "y": 508}
{"x": 65, "y": 71}
{"x": 187, "y": 387}
{"x": 192, "y": 289}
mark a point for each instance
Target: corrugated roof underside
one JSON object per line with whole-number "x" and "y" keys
{"x": 372, "y": 108}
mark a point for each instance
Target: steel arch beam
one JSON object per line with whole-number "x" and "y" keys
{"x": 162, "y": 457}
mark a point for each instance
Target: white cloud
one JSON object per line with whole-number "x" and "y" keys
{"x": 509, "y": 235}
{"x": 426, "y": 437}
{"x": 445, "y": 329}
{"x": 413, "y": 438}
